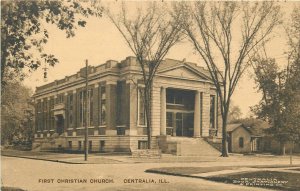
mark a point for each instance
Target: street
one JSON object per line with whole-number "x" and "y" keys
{"x": 31, "y": 174}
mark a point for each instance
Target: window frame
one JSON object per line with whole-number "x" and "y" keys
{"x": 241, "y": 142}
{"x": 139, "y": 102}
{"x": 102, "y": 105}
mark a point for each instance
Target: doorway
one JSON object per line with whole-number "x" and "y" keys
{"x": 184, "y": 124}
{"x": 179, "y": 124}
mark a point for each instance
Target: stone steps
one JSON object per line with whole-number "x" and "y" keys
{"x": 185, "y": 146}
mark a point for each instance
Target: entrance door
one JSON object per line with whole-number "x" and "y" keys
{"x": 60, "y": 124}
{"x": 179, "y": 124}
{"x": 188, "y": 124}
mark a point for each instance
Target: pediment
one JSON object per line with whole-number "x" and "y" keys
{"x": 183, "y": 71}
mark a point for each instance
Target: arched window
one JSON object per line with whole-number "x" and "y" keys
{"x": 241, "y": 142}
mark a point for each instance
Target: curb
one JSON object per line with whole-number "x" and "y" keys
{"x": 174, "y": 174}
{"x": 50, "y": 160}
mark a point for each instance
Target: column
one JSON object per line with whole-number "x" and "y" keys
{"x": 163, "y": 119}
{"x": 197, "y": 115}
{"x": 131, "y": 106}
{"x": 205, "y": 114}
{"x": 96, "y": 108}
{"x": 111, "y": 108}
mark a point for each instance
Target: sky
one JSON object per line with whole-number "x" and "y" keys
{"x": 100, "y": 41}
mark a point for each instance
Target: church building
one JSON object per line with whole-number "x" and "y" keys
{"x": 185, "y": 106}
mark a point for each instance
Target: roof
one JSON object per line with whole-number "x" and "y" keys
{"x": 232, "y": 127}
{"x": 254, "y": 131}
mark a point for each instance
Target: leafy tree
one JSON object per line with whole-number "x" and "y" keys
{"x": 224, "y": 35}
{"x": 16, "y": 113}
{"x": 23, "y": 34}
{"x": 280, "y": 103}
{"x": 234, "y": 114}
{"x": 150, "y": 34}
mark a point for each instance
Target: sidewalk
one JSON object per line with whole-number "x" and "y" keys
{"x": 60, "y": 157}
{"x": 168, "y": 159}
{"x": 96, "y": 158}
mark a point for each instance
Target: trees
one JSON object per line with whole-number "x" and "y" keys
{"x": 23, "y": 34}
{"x": 16, "y": 112}
{"x": 234, "y": 113}
{"x": 212, "y": 29}
{"x": 149, "y": 34}
{"x": 280, "y": 104}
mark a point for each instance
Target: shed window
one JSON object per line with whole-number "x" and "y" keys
{"x": 241, "y": 142}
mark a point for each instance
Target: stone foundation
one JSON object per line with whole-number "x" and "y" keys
{"x": 146, "y": 153}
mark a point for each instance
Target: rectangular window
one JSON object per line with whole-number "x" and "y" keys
{"x": 142, "y": 144}
{"x": 79, "y": 145}
{"x": 212, "y": 111}
{"x": 90, "y": 145}
{"x": 71, "y": 118}
{"x": 174, "y": 97}
{"x": 120, "y": 89}
{"x": 178, "y": 99}
{"x": 170, "y": 97}
{"x": 141, "y": 107}
{"x": 91, "y": 107}
{"x": 60, "y": 99}
{"x": 102, "y": 105}
{"x": 82, "y": 113}
{"x": 71, "y": 102}
{"x": 241, "y": 142}
{"x": 70, "y": 144}
{"x": 169, "y": 119}
{"x": 102, "y": 145}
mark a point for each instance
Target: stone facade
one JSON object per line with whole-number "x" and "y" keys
{"x": 181, "y": 106}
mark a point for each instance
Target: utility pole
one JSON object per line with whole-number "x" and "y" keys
{"x": 86, "y": 147}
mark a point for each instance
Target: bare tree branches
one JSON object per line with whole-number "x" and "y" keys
{"x": 211, "y": 28}
{"x": 150, "y": 34}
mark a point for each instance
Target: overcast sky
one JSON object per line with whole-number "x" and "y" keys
{"x": 100, "y": 41}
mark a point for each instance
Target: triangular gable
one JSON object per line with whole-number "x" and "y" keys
{"x": 183, "y": 71}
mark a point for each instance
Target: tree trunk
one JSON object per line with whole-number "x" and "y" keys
{"x": 282, "y": 148}
{"x": 148, "y": 110}
{"x": 224, "y": 138}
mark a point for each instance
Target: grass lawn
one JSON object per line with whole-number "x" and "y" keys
{"x": 298, "y": 169}
{"x": 11, "y": 189}
{"x": 265, "y": 179}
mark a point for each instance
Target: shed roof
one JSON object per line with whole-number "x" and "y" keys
{"x": 232, "y": 127}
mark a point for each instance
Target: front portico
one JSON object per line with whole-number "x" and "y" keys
{"x": 188, "y": 103}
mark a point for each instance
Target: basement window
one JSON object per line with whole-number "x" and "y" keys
{"x": 143, "y": 145}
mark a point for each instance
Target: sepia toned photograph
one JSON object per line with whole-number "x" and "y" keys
{"x": 150, "y": 95}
